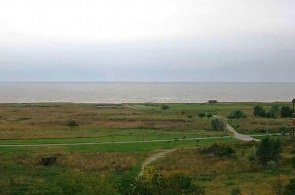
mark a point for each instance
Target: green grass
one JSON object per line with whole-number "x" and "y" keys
{"x": 122, "y": 135}
{"x": 126, "y": 147}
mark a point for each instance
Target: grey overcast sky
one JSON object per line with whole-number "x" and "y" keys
{"x": 147, "y": 40}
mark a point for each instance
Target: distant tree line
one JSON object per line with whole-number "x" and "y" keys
{"x": 275, "y": 112}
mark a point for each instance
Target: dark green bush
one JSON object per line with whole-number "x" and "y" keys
{"x": 290, "y": 188}
{"x": 259, "y": 111}
{"x": 286, "y": 111}
{"x": 269, "y": 150}
{"x": 237, "y": 114}
{"x": 218, "y": 124}
{"x": 165, "y": 107}
{"x": 201, "y": 115}
{"x": 236, "y": 191}
{"x": 293, "y": 162}
{"x": 209, "y": 115}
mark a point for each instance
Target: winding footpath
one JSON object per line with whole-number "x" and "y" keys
{"x": 154, "y": 158}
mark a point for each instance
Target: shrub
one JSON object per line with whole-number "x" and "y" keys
{"x": 74, "y": 183}
{"x": 212, "y": 101}
{"x": 209, "y": 115}
{"x": 290, "y": 188}
{"x": 236, "y": 191}
{"x": 252, "y": 157}
{"x": 219, "y": 150}
{"x": 201, "y": 115}
{"x": 72, "y": 124}
{"x": 271, "y": 164}
{"x": 218, "y": 124}
{"x": 259, "y": 111}
{"x": 237, "y": 114}
{"x": 293, "y": 162}
{"x": 273, "y": 113}
{"x": 286, "y": 111}
{"x": 269, "y": 150}
{"x": 176, "y": 183}
{"x": 165, "y": 107}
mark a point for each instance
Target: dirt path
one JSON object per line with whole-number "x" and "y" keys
{"x": 240, "y": 136}
{"x": 237, "y": 135}
{"x": 153, "y": 158}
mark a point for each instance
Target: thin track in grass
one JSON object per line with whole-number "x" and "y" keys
{"x": 101, "y": 143}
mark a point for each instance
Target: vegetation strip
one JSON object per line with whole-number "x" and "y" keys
{"x": 98, "y": 143}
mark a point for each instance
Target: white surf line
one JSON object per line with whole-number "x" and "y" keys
{"x": 102, "y": 143}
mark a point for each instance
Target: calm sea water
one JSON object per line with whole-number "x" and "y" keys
{"x": 145, "y": 92}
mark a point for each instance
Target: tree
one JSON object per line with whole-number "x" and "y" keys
{"x": 218, "y": 124}
{"x": 269, "y": 150}
{"x": 259, "y": 111}
{"x": 237, "y": 114}
{"x": 72, "y": 124}
{"x": 286, "y": 111}
{"x": 201, "y": 115}
{"x": 274, "y": 112}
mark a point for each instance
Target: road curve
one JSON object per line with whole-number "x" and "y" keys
{"x": 237, "y": 135}
{"x": 240, "y": 136}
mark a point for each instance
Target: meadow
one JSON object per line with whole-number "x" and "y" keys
{"x": 104, "y": 159}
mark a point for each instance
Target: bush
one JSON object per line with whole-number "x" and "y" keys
{"x": 165, "y": 107}
{"x": 259, "y": 111}
{"x": 218, "y": 124}
{"x": 286, "y": 111}
{"x": 72, "y": 124}
{"x": 155, "y": 183}
{"x": 236, "y": 191}
{"x": 209, "y": 115}
{"x": 252, "y": 157}
{"x": 237, "y": 114}
{"x": 219, "y": 150}
{"x": 290, "y": 188}
{"x": 271, "y": 164}
{"x": 273, "y": 113}
{"x": 293, "y": 162}
{"x": 201, "y": 115}
{"x": 74, "y": 183}
{"x": 269, "y": 150}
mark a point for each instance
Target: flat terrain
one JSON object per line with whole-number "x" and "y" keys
{"x": 120, "y": 138}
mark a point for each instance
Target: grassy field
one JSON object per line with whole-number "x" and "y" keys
{"x": 46, "y": 123}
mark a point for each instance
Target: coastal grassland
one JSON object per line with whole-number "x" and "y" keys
{"x": 46, "y": 123}
{"x": 221, "y": 174}
{"x": 21, "y": 172}
{"x": 32, "y": 121}
{"x": 107, "y": 122}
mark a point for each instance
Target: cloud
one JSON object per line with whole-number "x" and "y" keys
{"x": 156, "y": 40}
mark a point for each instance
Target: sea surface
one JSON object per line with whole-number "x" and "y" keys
{"x": 84, "y": 92}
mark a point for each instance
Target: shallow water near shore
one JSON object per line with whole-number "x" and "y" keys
{"x": 96, "y": 92}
